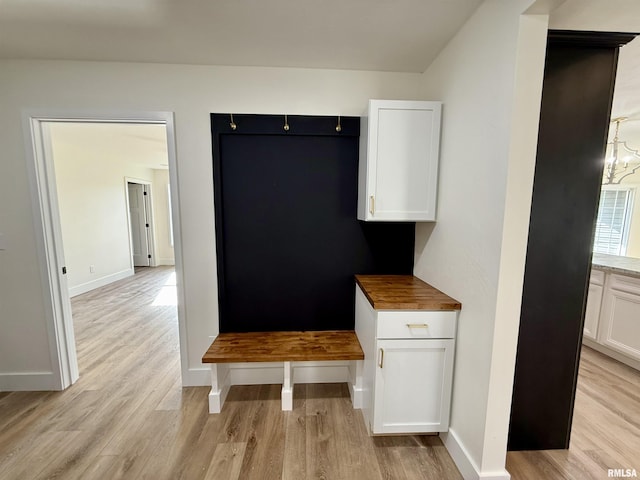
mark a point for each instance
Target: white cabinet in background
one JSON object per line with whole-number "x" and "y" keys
{"x": 398, "y": 172}
{"x": 594, "y": 301}
{"x": 619, "y": 327}
{"x": 408, "y": 368}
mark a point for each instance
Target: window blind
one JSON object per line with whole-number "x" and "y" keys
{"x": 612, "y": 224}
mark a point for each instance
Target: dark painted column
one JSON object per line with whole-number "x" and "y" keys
{"x": 574, "y": 120}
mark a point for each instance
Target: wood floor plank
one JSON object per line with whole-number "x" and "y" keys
{"x": 356, "y": 458}
{"x": 238, "y": 411}
{"x": 226, "y": 462}
{"x": 264, "y": 452}
{"x": 295, "y": 459}
{"x": 171, "y": 459}
{"x": 102, "y": 466}
{"x": 388, "y": 455}
{"x": 334, "y": 436}
{"x": 43, "y": 449}
{"x": 197, "y": 462}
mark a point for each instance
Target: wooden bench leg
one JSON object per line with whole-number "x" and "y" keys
{"x": 356, "y": 385}
{"x": 287, "y": 388}
{"x": 219, "y": 387}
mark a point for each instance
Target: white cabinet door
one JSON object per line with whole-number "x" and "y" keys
{"x": 399, "y": 161}
{"x": 594, "y": 302}
{"x": 412, "y": 386}
{"x": 620, "y": 319}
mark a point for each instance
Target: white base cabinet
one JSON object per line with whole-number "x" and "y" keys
{"x": 412, "y": 390}
{"x": 619, "y": 327}
{"x": 408, "y": 368}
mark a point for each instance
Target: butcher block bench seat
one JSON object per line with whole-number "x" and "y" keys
{"x": 283, "y": 347}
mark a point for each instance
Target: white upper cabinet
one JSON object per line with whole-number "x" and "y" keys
{"x": 398, "y": 172}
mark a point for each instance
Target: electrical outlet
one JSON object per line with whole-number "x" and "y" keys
{"x": 92, "y": 269}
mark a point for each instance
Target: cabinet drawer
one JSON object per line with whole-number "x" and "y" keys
{"x": 427, "y": 324}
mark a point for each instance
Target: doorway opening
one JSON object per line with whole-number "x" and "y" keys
{"x": 141, "y": 228}
{"x": 87, "y": 238}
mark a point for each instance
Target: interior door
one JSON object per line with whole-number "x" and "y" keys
{"x": 139, "y": 224}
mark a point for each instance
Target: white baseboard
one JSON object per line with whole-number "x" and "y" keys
{"x": 612, "y": 353}
{"x": 272, "y": 373}
{"x": 28, "y": 382}
{"x": 100, "y": 282}
{"x": 464, "y": 462}
{"x": 165, "y": 261}
{"x": 197, "y": 377}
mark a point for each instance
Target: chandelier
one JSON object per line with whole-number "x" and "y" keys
{"x": 621, "y": 160}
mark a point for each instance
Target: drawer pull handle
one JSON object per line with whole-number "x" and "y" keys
{"x": 381, "y": 357}
{"x": 417, "y": 325}
{"x": 372, "y": 204}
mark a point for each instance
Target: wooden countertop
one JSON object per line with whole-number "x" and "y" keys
{"x": 284, "y": 347}
{"x": 404, "y": 292}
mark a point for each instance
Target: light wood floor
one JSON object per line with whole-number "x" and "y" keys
{"x": 128, "y": 417}
{"x": 606, "y": 427}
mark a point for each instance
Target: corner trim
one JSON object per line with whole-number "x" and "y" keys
{"x": 465, "y": 463}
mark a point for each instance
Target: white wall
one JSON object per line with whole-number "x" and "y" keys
{"x": 90, "y": 169}
{"x": 191, "y": 92}
{"x": 164, "y": 245}
{"x": 489, "y": 78}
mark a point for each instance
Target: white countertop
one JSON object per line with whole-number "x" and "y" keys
{"x": 614, "y": 264}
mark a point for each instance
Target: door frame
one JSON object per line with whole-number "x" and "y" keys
{"x": 46, "y": 218}
{"x": 151, "y": 237}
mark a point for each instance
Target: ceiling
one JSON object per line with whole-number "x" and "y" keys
{"x": 611, "y": 16}
{"x": 383, "y": 35}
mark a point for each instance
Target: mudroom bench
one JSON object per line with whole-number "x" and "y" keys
{"x": 284, "y": 347}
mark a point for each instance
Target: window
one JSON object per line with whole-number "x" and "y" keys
{"x": 612, "y": 226}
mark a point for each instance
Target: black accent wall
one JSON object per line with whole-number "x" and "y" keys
{"x": 287, "y": 239}
{"x": 576, "y": 106}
